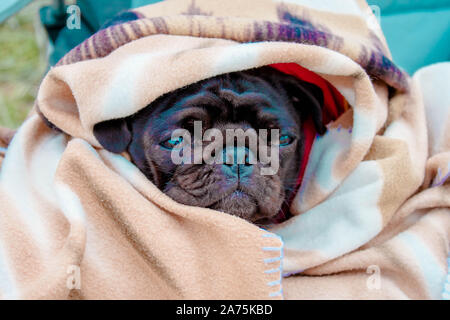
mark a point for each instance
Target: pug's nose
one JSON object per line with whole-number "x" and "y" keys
{"x": 237, "y": 161}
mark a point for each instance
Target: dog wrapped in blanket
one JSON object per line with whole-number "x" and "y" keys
{"x": 229, "y": 108}
{"x": 369, "y": 215}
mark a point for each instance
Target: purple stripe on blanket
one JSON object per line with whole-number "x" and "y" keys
{"x": 116, "y": 36}
{"x": 87, "y": 52}
{"x": 136, "y": 29}
{"x": 77, "y": 56}
{"x": 124, "y": 34}
{"x": 160, "y": 25}
{"x": 103, "y": 42}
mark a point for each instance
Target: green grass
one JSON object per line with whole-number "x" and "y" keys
{"x": 22, "y": 65}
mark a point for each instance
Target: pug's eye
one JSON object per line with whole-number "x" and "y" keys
{"x": 285, "y": 140}
{"x": 172, "y": 143}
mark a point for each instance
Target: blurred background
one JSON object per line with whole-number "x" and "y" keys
{"x": 22, "y": 63}
{"x": 34, "y": 35}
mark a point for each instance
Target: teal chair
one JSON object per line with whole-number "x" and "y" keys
{"x": 417, "y": 31}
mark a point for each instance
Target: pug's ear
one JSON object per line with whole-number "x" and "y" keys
{"x": 113, "y": 135}
{"x": 308, "y": 99}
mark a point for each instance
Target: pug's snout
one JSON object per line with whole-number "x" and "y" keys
{"x": 238, "y": 161}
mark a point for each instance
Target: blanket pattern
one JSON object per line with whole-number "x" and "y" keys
{"x": 370, "y": 219}
{"x": 285, "y": 22}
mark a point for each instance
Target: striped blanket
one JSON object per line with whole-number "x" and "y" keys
{"x": 371, "y": 219}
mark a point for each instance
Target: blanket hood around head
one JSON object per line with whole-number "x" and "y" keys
{"x": 371, "y": 216}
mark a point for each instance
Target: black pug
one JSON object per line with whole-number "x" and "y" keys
{"x": 262, "y": 98}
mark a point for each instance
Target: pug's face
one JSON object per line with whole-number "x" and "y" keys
{"x": 249, "y": 101}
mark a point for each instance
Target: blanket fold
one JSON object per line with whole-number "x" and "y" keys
{"x": 370, "y": 219}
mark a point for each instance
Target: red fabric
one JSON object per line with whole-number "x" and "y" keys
{"x": 334, "y": 105}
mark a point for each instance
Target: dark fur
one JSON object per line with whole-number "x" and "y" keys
{"x": 258, "y": 98}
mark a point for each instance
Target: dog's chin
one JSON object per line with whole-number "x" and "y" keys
{"x": 244, "y": 206}
{"x": 248, "y": 201}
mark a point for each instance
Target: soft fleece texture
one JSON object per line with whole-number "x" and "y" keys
{"x": 374, "y": 197}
